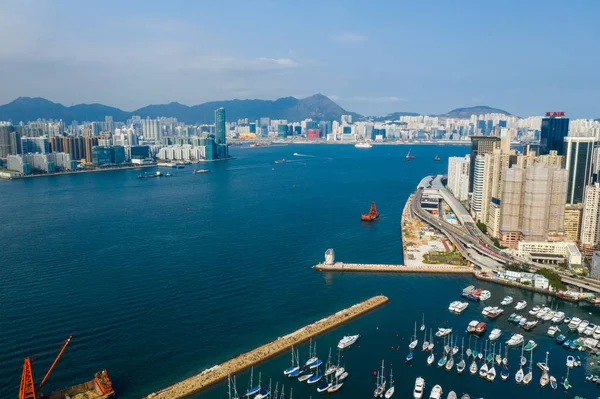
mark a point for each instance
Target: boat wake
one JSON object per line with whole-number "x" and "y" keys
{"x": 303, "y": 155}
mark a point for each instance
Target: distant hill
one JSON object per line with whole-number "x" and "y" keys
{"x": 317, "y": 107}
{"x": 465, "y": 113}
{"x": 394, "y": 116}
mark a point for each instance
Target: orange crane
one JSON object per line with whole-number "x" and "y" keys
{"x": 27, "y": 389}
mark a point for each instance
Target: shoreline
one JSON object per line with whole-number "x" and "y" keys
{"x": 384, "y": 268}
{"x": 214, "y": 374}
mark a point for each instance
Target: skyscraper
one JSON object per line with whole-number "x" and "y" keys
{"x": 555, "y": 127}
{"x": 579, "y": 153}
{"x": 590, "y": 226}
{"x": 220, "y": 132}
{"x": 480, "y": 145}
{"x": 458, "y": 177}
{"x": 5, "y": 132}
{"x": 479, "y": 186}
{"x": 512, "y": 205}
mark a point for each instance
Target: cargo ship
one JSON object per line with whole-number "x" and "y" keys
{"x": 372, "y": 215}
{"x": 98, "y": 388}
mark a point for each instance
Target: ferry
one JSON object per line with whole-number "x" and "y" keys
{"x": 507, "y": 300}
{"x": 363, "y": 145}
{"x": 521, "y": 305}
{"x": 347, "y": 341}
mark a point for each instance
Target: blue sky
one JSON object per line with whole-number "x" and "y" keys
{"x": 372, "y": 57}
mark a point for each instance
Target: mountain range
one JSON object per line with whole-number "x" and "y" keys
{"x": 317, "y": 107}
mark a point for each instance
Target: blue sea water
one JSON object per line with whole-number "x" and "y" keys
{"x": 160, "y": 278}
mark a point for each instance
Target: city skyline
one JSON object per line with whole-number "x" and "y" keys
{"x": 441, "y": 58}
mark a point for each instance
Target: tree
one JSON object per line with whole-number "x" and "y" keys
{"x": 482, "y": 227}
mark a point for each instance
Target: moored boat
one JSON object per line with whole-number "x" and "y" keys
{"x": 516, "y": 339}
{"x": 531, "y": 345}
{"x": 436, "y": 392}
{"x": 481, "y": 328}
{"x": 419, "y": 388}
{"x": 507, "y": 300}
{"x": 495, "y": 334}
{"x": 388, "y": 394}
{"x": 521, "y": 305}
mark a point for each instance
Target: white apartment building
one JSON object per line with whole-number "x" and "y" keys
{"x": 590, "y": 227}
{"x": 458, "y": 177}
{"x": 550, "y": 252}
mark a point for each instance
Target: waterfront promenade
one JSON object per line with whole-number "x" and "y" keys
{"x": 219, "y": 372}
{"x": 385, "y": 268}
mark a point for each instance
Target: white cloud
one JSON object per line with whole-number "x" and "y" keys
{"x": 349, "y": 38}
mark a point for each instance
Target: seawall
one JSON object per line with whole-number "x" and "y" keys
{"x": 219, "y": 372}
{"x": 385, "y": 268}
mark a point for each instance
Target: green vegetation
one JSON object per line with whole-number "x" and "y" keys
{"x": 497, "y": 244}
{"x": 482, "y": 227}
{"x": 553, "y": 277}
{"x": 526, "y": 282}
{"x": 516, "y": 267}
{"x": 450, "y": 258}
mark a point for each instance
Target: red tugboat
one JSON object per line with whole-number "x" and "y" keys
{"x": 372, "y": 215}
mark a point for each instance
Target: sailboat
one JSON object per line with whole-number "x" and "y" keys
{"x": 469, "y": 352}
{"x": 410, "y": 356}
{"x": 264, "y": 392}
{"x": 409, "y": 157}
{"x": 523, "y": 359}
{"x": 505, "y": 358}
{"x": 390, "y": 391}
{"x": 293, "y": 367}
{"x": 566, "y": 383}
{"x": 311, "y": 358}
{"x": 504, "y": 373}
{"x": 442, "y": 361}
{"x": 460, "y": 367}
{"x": 437, "y": 158}
{"x": 314, "y": 360}
{"x": 545, "y": 378}
{"x": 473, "y": 367}
{"x": 430, "y": 359}
{"x": 415, "y": 341}
{"x": 519, "y": 375}
{"x": 490, "y": 356}
{"x": 231, "y": 388}
{"x": 380, "y": 385}
{"x": 431, "y": 344}
{"x": 298, "y": 370}
{"x": 484, "y": 367}
{"x": 498, "y": 355}
{"x": 425, "y": 342}
{"x": 491, "y": 374}
{"x": 423, "y": 323}
{"x": 450, "y": 363}
{"x": 253, "y": 390}
{"x": 315, "y": 378}
{"x": 529, "y": 376}
{"x": 325, "y": 385}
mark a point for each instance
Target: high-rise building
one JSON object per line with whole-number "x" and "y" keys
{"x": 15, "y": 143}
{"x": 573, "y": 221}
{"x": 458, "y": 177}
{"x": 220, "y": 130}
{"x": 590, "y": 220}
{"x": 151, "y": 129}
{"x": 595, "y": 270}
{"x": 512, "y": 205}
{"x": 479, "y": 186}
{"x": 35, "y": 145}
{"x": 555, "y": 127}
{"x": 5, "y": 132}
{"x": 579, "y": 153}
{"x": 480, "y": 145}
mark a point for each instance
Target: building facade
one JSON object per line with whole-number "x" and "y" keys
{"x": 590, "y": 226}
{"x": 458, "y": 177}
{"x": 553, "y": 133}
{"x": 579, "y": 152}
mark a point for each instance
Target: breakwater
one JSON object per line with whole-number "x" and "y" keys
{"x": 219, "y": 372}
{"x": 385, "y": 268}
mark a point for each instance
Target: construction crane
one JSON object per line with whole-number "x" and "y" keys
{"x": 27, "y": 389}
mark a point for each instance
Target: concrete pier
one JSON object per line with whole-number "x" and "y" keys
{"x": 219, "y": 372}
{"x": 385, "y": 268}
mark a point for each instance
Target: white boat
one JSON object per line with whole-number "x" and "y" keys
{"x": 521, "y": 305}
{"x": 495, "y": 334}
{"x": 491, "y": 374}
{"x": 483, "y": 370}
{"x": 545, "y": 378}
{"x": 253, "y": 390}
{"x": 419, "y": 388}
{"x": 507, "y": 300}
{"x": 431, "y": 344}
{"x": 363, "y": 145}
{"x": 450, "y": 363}
{"x": 311, "y": 358}
{"x": 391, "y": 389}
{"x": 381, "y": 383}
{"x": 430, "y": 359}
{"x": 442, "y": 332}
{"x": 415, "y": 340}
{"x": 423, "y": 323}
{"x": 339, "y": 372}
{"x": 515, "y": 340}
{"x": 558, "y": 317}
{"x": 531, "y": 345}
{"x": 519, "y": 376}
{"x": 549, "y": 316}
{"x": 436, "y": 392}
{"x": 485, "y": 295}
{"x": 330, "y": 368}
{"x": 575, "y": 322}
{"x": 486, "y": 310}
{"x": 460, "y": 367}
{"x": 570, "y": 361}
{"x": 305, "y": 377}
{"x": 461, "y": 307}
{"x": 347, "y": 341}
{"x": 534, "y": 311}
{"x": 542, "y": 312}
{"x": 473, "y": 367}
{"x": 582, "y": 326}
{"x": 596, "y": 334}
{"x": 293, "y": 367}
{"x": 264, "y": 392}
{"x": 552, "y": 330}
{"x": 589, "y": 330}
{"x": 529, "y": 376}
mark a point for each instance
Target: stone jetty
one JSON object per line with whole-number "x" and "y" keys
{"x": 389, "y": 268}
{"x": 219, "y": 372}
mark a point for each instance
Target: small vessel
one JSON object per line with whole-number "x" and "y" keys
{"x": 451, "y": 395}
{"x": 312, "y": 357}
{"x": 293, "y": 367}
{"x": 231, "y": 388}
{"x": 423, "y": 323}
{"x": 552, "y": 330}
{"x": 504, "y": 374}
{"x": 472, "y": 326}
{"x": 425, "y": 346}
{"x": 460, "y": 367}
{"x": 381, "y": 383}
{"x": 560, "y": 339}
{"x": 264, "y": 392}
{"x": 553, "y": 383}
{"x": 315, "y": 378}
{"x": 558, "y": 317}
{"x": 494, "y": 312}
{"x": 419, "y": 388}
{"x": 305, "y": 377}
{"x": 415, "y": 341}
{"x": 519, "y": 375}
{"x": 516, "y": 339}
{"x": 329, "y": 367}
{"x": 534, "y": 311}
{"x": 442, "y": 332}
{"x": 495, "y": 334}
{"x": 430, "y": 359}
{"x": 566, "y": 382}
{"x": 363, "y": 145}
{"x": 480, "y": 329}
{"x": 298, "y": 371}
{"x": 531, "y": 345}
{"x": 521, "y": 305}
{"x": 450, "y": 363}
{"x": 582, "y": 326}
{"x": 280, "y": 161}
{"x": 410, "y": 356}
{"x": 324, "y": 386}
{"x": 529, "y": 376}
{"x": 436, "y": 158}
{"x": 574, "y": 323}
{"x": 391, "y": 389}
{"x": 431, "y": 344}
{"x": 545, "y": 378}
{"x": 567, "y": 320}
{"x": 253, "y": 390}
{"x": 570, "y": 361}
{"x": 473, "y": 367}
{"x": 442, "y": 361}
{"x": 485, "y": 295}
{"x": 507, "y": 300}
{"x": 347, "y": 341}
{"x": 483, "y": 370}
{"x": 436, "y": 392}
{"x": 198, "y": 171}
{"x": 491, "y": 374}
{"x": 335, "y": 387}
{"x": 339, "y": 372}
{"x": 409, "y": 157}
{"x": 372, "y": 215}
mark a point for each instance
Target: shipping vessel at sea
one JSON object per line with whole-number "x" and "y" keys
{"x": 98, "y": 388}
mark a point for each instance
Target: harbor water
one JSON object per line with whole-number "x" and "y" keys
{"x": 160, "y": 278}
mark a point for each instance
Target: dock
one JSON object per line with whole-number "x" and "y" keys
{"x": 220, "y": 372}
{"x": 385, "y": 268}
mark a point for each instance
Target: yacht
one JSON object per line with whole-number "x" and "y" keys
{"x": 589, "y": 330}
{"x": 553, "y": 330}
{"x": 596, "y": 334}
{"x": 534, "y": 311}
{"x": 558, "y": 317}
{"x": 549, "y": 316}
{"x": 570, "y": 361}
{"x": 461, "y": 307}
{"x": 522, "y": 322}
{"x": 347, "y": 341}
{"x": 436, "y": 392}
{"x": 495, "y": 334}
{"x": 530, "y": 325}
{"x": 521, "y": 305}
{"x": 582, "y": 326}
{"x": 419, "y": 388}
{"x": 495, "y": 312}
{"x": 507, "y": 300}
{"x": 542, "y": 312}
{"x": 363, "y": 145}
{"x": 515, "y": 340}
{"x": 531, "y": 345}
{"x": 486, "y": 310}
{"x": 485, "y": 295}
{"x": 575, "y": 322}
{"x": 442, "y": 332}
